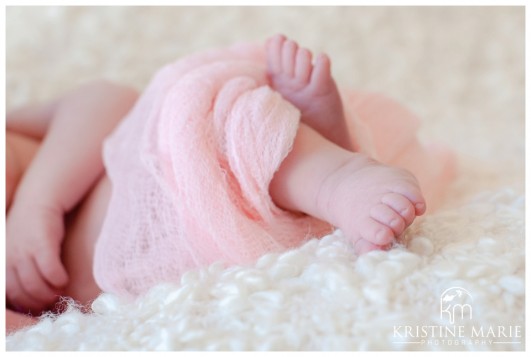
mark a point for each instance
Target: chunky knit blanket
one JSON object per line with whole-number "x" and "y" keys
{"x": 321, "y": 296}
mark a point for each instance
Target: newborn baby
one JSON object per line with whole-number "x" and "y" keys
{"x": 58, "y": 192}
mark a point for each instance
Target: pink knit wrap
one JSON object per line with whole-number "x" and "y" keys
{"x": 191, "y": 165}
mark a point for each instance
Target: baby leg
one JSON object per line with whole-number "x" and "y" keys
{"x": 371, "y": 203}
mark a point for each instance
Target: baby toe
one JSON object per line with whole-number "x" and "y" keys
{"x": 361, "y": 246}
{"x": 303, "y": 65}
{"x": 321, "y": 73}
{"x": 386, "y": 215}
{"x": 274, "y": 53}
{"x": 289, "y": 51}
{"x": 414, "y": 195}
{"x": 401, "y": 205}
{"x": 376, "y": 232}
{"x": 420, "y": 208}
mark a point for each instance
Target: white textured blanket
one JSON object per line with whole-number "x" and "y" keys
{"x": 458, "y": 280}
{"x": 322, "y": 297}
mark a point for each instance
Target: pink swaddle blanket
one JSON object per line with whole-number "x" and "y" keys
{"x": 191, "y": 165}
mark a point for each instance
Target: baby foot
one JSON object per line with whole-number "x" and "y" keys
{"x": 310, "y": 87}
{"x": 371, "y": 203}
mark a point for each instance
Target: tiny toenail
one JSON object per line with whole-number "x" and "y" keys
{"x": 420, "y": 206}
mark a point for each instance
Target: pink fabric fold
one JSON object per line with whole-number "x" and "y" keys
{"x": 191, "y": 165}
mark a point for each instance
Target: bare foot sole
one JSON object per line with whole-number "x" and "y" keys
{"x": 371, "y": 203}
{"x": 310, "y": 87}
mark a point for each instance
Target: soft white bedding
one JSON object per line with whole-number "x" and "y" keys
{"x": 460, "y": 69}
